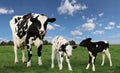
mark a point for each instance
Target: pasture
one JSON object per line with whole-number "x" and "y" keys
{"x": 78, "y": 61}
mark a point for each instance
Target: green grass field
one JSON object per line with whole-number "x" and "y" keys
{"x": 78, "y": 61}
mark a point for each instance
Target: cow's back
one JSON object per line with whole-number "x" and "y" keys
{"x": 14, "y": 27}
{"x": 58, "y": 41}
{"x": 13, "y": 23}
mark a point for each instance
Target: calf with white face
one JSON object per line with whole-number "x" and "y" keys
{"x": 61, "y": 47}
{"x": 26, "y": 30}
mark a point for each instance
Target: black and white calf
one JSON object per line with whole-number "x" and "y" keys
{"x": 61, "y": 47}
{"x": 26, "y": 30}
{"x": 94, "y": 48}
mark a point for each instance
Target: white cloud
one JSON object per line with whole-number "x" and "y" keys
{"x": 83, "y": 17}
{"x": 89, "y": 25}
{"x": 118, "y": 26}
{"x": 56, "y": 25}
{"x": 98, "y": 32}
{"x": 70, "y": 8}
{"x": 48, "y": 38}
{"x": 101, "y": 14}
{"x": 6, "y": 11}
{"x": 76, "y": 32}
{"x": 53, "y": 26}
{"x": 3, "y": 39}
{"x": 111, "y": 25}
{"x": 50, "y": 27}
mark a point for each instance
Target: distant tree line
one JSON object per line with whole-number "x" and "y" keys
{"x": 3, "y": 43}
{"x": 45, "y": 42}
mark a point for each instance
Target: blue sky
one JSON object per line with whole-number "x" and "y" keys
{"x": 76, "y": 19}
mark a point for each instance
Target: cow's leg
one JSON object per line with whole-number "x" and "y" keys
{"x": 15, "y": 52}
{"x": 39, "y": 55}
{"x": 58, "y": 59}
{"x": 93, "y": 63}
{"x": 61, "y": 61}
{"x": 108, "y": 55}
{"x": 23, "y": 56}
{"x": 53, "y": 57}
{"x": 68, "y": 61}
{"x": 90, "y": 58}
{"x": 38, "y": 43}
{"x": 29, "y": 55}
{"x": 93, "y": 55}
{"x": 103, "y": 58}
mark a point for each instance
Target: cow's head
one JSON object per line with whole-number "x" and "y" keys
{"x": 85, "y": 42}
{"x": 41, "y": 21}
{"x": 67, "y": 48}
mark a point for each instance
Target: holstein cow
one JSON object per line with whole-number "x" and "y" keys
{"x": 61, "y": 47}
{"x": 94, "y": 48}
{"x": 26, "y": 30}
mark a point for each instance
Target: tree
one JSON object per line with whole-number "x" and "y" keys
{"x": 45, "y": 42}
{"x": 72, "y": 42}
{"x": 3, "y": 43}
{"x": 10, "y": 43}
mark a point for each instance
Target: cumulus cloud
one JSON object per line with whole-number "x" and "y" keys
{"x": 3, "y": 39}
{"x": 101, "y": 14}
{"x": 83, "y": 17}
{"x": 76, "y": 32}
{"x": 70, "y": 8}
{"x": 89, "y": 25}
{"x": 50, "y": 27}
{"x": 98, "y": 32}
{"x": 118, "y": 26}
{"x": 48, "y": 38}
{"x": 111, "y": 25}
{"x": 53, "y": 26}
{"x": 6, "y": 11}
{"x": 56, "y": 25}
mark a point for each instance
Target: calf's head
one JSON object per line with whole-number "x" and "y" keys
{"x": 66, "y": 48}
{"x": 85, "y": 42}
{"x": 41, "y": 21}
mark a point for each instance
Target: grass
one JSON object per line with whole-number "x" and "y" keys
{"x": 78, "y": 61}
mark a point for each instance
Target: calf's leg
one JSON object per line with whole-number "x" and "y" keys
{"x": 61, "y": 61}
{"x": 68, "y": 62}
{"x": 52, "y": 57}
{"x": 108, "y": 55}
{"x": 103, "y": 58}
{"x": 90, "y": 58}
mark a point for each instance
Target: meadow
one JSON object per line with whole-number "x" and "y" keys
{"x": 78, "y": 61}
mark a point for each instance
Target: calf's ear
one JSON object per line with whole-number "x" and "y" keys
{"x": 74, "y": 47}
{"x": 51, "y": 20}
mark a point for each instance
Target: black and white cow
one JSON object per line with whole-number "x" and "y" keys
{"x": 61, "y": 47}
{"x": 26, "y": 30}
{"x": 94, "y": 48}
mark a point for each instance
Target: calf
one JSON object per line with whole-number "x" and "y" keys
{"x": 94, "y": 48}
{"x": 26, "y": 30}
{"x": 61, "y": 47}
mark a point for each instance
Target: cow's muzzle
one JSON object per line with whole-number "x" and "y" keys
{"x": 42, "y": 32}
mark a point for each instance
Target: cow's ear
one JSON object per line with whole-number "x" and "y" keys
{"x": 51, "y": 20}
{"x": 74, "y": 47}
{"x": 89, "y": 39}
{"x": 32, "y": 19}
